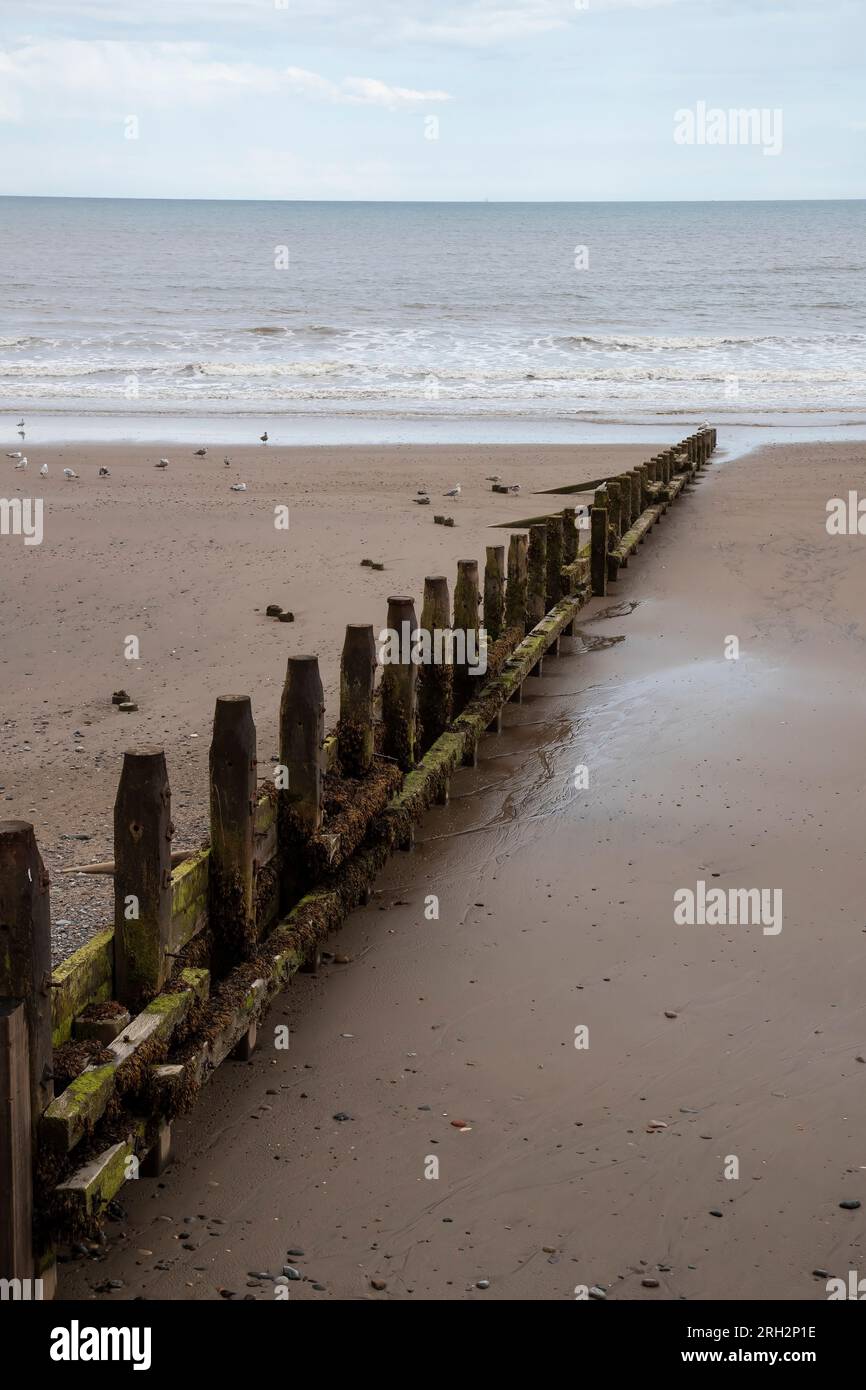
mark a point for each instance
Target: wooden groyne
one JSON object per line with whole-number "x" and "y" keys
{"x": 99, "y": 1056}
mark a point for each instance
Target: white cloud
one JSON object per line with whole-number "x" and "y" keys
{"x": 359, "y": 91}
{"x": 107, "y": 78}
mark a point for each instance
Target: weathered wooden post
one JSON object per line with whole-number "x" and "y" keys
{"x": 536, "y": 580}
{"x": 494, "y": 591}
{"x": 357, "y": 681}
{"x": 231, "y": 887}
{"x": 434, "y": 677}
{"x": 142, "y": 877}
{"x": 466, "y": 600}
{"x": 515, "y": 593}
{"x": 636, "y": 493}
{"x": 25, "y": 948}
{"x": 598, "y": 544}
{"x": 16, "y": 1141}
{"x": 614, "y": 508}
{"x": 302, "y": 739}
{"x": 625, "y": 501}
{"x": 570, "y": 536}
{"x": 400, "y": 684}
{"x": 553, "y": 591}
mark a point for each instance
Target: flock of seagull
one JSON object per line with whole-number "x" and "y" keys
{"x": 422, "y": 496}
{"x": 21, "y": 462}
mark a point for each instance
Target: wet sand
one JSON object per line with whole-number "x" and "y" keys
{"x": 188, "y": 567}
{"x": 556, "y": 912}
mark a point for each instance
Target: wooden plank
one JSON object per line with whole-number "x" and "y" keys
{"x": 189, "y": 899}
{"x": 85, "y": 977}
{"x": 16, "y": 1156}
{"x": 25, "y": 947}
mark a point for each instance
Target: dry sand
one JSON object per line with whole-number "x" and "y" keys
{"x": 556, "y": 911}
{"x": 188, "y": 567}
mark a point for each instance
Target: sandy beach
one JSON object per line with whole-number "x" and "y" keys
{"x": 559, "y": 1167}
{"x": 176, "y": 559}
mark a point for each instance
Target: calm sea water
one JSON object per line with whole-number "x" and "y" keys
{"x": 614, "y": 311}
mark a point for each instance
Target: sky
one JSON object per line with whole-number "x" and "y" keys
{"x": 564, "y": 100}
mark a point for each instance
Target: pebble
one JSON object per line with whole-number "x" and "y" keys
{"x": 597, "y": 1291}
{"x": 341, "y": 1116}
{"x": 291, "y": 1273}
{"x": 482, "y": 1284}
{"x": 821, "y": 1273}
{"x": 650, "y": 1283}
{"x": 715, "y": 1212}
{"x": 378, "y": 1284}
{"x": 850, "y": 1205}
{"x": 669, "y": 1013}
{"x": 296, "y": 1254}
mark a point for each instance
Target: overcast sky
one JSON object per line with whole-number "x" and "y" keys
{"x": 535, "y": 99}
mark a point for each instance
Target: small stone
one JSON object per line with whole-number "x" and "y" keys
{"x": 821, "y": 1273}
{"x": 669, "y": 1013}
{"x": 296, "y": 1254}
{"x": 650, "y": 1283}
{"x": 378, "y": 1284}
{"x": 286, "y": 617}
{"x": 227, "y": 1293}
{"x": 849, "y": 1205}
{"x": 482, "y": 1284}
{"x": 129, "y": 707}
{"x": 119, "y": 697}
{"x": 597, "y": 1291}
{"x": 291, "y": 1273}
{"x": 549, "y": 1249}
{"x": 341, "y": 1116}
{"x": 715, "y": 1212}
{"x": 273, "y": 610}
{"x": 342, "y": 960}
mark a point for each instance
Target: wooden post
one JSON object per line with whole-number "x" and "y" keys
{"x": 231, "y": 895}
{"x": 357, "y": 679}
{"x": 636, "y": 493}
{"x": 536, "y": 581}
{"x": 515, "y": 594}
{"x": 598, "y": 547}
{"x": 554, "y": 563}
{"x": 142, "y": 877}
{"x": 625, "y": 501}
{"x": 434, "y": 677}
{"x": 494, "y": 591}
{"x": 25, "y": 949}
{"x": 614, "y": 507}
{"x": 400, "y": 684}
{"x": 16, "y": 1144}
{"x": 570, "y": 536}
{"x": 302, "y": 741}
{"x": 466, "y": 600}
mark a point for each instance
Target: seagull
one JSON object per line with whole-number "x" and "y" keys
{"x": 43, "y": 472}
{"x": 22, "y": 462}
{"x": 16, "y": 455}
{"x": 227, "y": 461}
{"x": 21, "y": 434}
{"x": 104, "y": 473}
{"x": 453, "y": 491}
{"x": 69, "y": 473}
{"x": 163, "y": 463}
{"x": 423, "y": 500}
{"x": 200, "y": 453}
{"x": 514, "y": 487}
{"x": 237, "y": 487}
{"x": 264, "y": 437}
{"x": 21, "y": 424}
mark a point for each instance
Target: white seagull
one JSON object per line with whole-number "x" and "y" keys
{"x": 163, "y": 463}
{"x": 453, "y": 491}
{"x": 227, "y": 461}
{"x": 515, "y": 487}
{"x": 69, "y": 473}
{"x": 103, "y": 473}
{"x": 21, "y": 424}
{"x": 494, "y": 478}
{"x": 43, "y": 472}
{"x": 22, "y": 462}
{"x": 200, "y": 453}
{"x": 238, "y": 487}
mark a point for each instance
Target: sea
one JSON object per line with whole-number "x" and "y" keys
{"x": 533, "y": 313}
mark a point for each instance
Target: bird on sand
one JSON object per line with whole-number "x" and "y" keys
{"x": 21, "y": 423}
{"x": 514, "y": 487}
{"x": 69, "y": 473}
{"x": 422, "y": 499}
{"x": 227, "y": 461}
{"x": 200, "y": 453}
{"x": 453, "y": 491}
{"x": 103, "y": 472}
{"x": 237, "y": 487}
{"x": 264, "y": 437}
{"x": 163, "y": 463}
{"x": 15, "y": 455}
{"x": 43, "y": 472}
{"x": 22, "y": 463}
